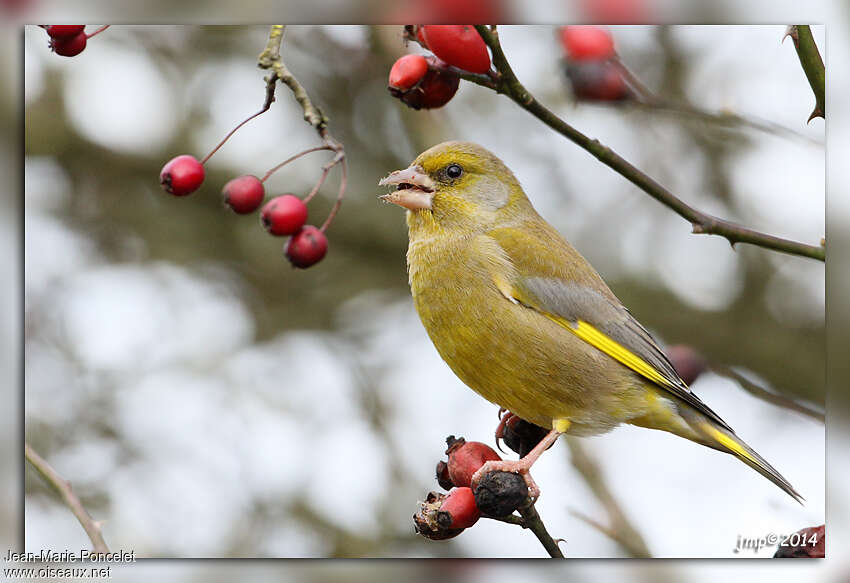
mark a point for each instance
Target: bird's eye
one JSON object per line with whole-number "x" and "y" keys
{"x": 454, "y": 171}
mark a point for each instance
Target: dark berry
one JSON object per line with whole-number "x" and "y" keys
{"x": 587, "y": 42}
{"x": 70, "y": 46}
{"x": 466, "y": 457}
{"x": 521, "y": 436}
{"x": 597, "y": 81}
{"x": 458, "y": 509}
{"x": 407, "y": 72}
{"x": 244, "y": 194}
{"x": 307, "y": 247}
{"x": 443, "y": 478}
{"x": 182, "y": 175}
{"x": 459, "y": 45}
{"x": 500, "y": 493}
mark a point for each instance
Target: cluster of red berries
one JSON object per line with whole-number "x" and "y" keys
{"x": 283, "y": 215}
{"x": 69, "y": 40}
{"x": 594, "y": 72}
{"x": 497, "y": 494}
{"x": 425, "y": 81}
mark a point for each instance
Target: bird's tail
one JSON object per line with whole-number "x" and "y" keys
{"x": 724, "y": 440}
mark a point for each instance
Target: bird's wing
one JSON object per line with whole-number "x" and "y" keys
{"x": 541, "y": 282}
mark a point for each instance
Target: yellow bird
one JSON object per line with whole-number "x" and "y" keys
{"x": 524, "y": 320}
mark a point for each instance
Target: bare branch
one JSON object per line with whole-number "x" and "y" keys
{"x": 701, "y": 222}
{"x": 63, "y": 488}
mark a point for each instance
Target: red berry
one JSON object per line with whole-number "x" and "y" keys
{"x": 434, "y": 90}
{"x": 597, "y": 81}
{"x": 284, "y": 215}
{"x": 307, "y": 247}
{"x": 407, "y": 72}
{"x": 458, "y": 510}
{"x": 70, "y": 46}
{"x": 587, "y": 42}
{"x": 466, "y": 457}
{"x": 64, "y": 30}
{"x": 459, "y": 45}
{"x": 244, "y": 194}
{"x": 182, "y": 175}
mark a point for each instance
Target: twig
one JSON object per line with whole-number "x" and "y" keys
{"x": 270, "y": 59}
{"x": 812, "y": 64}
{"x": 701, "y": 222}
{"x": 63, "y": 488}
{"x": 766, "y": 394}
{"x": 619, "y": 528}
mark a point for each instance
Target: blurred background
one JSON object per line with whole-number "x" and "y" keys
{"x": 207, "y": 400}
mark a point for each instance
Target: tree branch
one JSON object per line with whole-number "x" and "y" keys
{"x": 701, "y": 222}
{"x": 534, "y": 523}
{"x": 270, "y": 59}
{"x": 63, "y": 488}
{"x": 619, "y": 528}
{"x": 812, "y": 64}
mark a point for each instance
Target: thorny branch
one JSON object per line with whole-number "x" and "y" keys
{"x": 504, "y": 81}
{"x": 63, "y": 488}
{"x": 270, "y": 59}
{"x": 812, "y": 64}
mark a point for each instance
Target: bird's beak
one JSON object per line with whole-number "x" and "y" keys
{"x": 415, "y": 188}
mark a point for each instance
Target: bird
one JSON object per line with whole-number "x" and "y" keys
{"x": 523, "y": 319}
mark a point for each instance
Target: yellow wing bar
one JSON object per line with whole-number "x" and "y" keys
{"x": 612, "y": 348}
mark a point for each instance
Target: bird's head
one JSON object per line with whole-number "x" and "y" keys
{"x": 457, "y": 185}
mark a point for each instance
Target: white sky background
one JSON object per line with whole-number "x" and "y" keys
{"x": 204, "y": 450}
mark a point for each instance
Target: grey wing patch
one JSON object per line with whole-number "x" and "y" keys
{"x": 574, "y": 302}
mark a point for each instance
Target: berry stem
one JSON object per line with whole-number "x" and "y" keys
{"x": 292, "y": 159}
{"x": 271, "y": 83}
{"x": 343, "y": 182}
{"x": 98, "y": 31}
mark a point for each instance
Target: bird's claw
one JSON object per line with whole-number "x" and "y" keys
{"x": 504, "y": 417}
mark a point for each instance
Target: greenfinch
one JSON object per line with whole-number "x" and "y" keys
{"x": 524, "y": 320}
